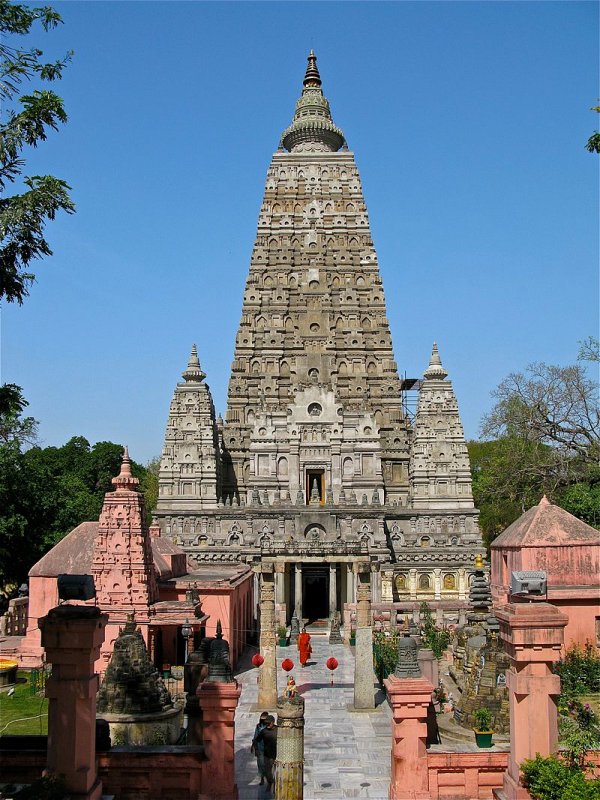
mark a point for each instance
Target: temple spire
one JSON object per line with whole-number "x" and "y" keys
{"x": 193, "y": 372}
{"x": 435, "y": 370}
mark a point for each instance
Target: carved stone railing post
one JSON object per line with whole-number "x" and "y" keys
{"x": 364, "y": 694}
{"x": 267, "y": 676}
{"x": 289, "y": 764}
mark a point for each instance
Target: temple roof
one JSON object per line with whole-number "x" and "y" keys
{"x": 546, "y": 525}
{"x": 74, "y": 554}
{"x": 312, "y": 128}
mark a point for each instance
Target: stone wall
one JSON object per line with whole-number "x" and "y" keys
{"x": 14, "y": 622}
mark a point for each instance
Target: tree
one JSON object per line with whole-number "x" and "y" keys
{"x": 543, "y": 439}
{"x": 550, "y": 406}
{"x": 45, "y": 492}
{"x": 593, "y": 143}
{"x": 12, "y": 426}
{"x": 28, "y": 119}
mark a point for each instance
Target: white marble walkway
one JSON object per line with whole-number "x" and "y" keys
{"x": 347, "y": 754}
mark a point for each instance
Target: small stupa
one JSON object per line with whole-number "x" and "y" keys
{"x": 484, "y": 663}
{"x": 133, "y": 698}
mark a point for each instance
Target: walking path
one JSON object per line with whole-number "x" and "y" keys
{"x": 346, "y": 753}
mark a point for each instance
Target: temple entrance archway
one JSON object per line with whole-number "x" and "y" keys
{"x": 315, "y": 592}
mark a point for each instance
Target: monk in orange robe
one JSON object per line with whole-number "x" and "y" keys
{"x": 304, "y": 647}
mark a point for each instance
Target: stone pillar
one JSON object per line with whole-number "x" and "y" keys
{"x": 412, "y": 583}
{"x": 298, "y": 592}
{"x": 409, "y": 698}
{"x": 350, "y": 585}
{"x": 267, "y": 674}
{"x": 387, "y": 591}
{"x": 533, "y": 635}
{"x": 280, "y": 583}
{"x": 364, "y": 695}
{"x": 463, "y": 584}
{"x": 72, "y": 637}
{"x": 332, "y": 589}
{"x": 289, "y": 764}
{"x": 375, "y": 583}
{"x": 218, "y": 702}
{"x": 437, "y": 584}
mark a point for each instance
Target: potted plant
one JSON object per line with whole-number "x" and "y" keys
{"x": 282, "y": 634}
{"x": 483, "y": 730}
{"x": 352, "y": 637}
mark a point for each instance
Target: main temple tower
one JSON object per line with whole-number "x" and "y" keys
{"x": 318, "y": 467}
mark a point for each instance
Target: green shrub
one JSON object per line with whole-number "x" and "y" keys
{"x": 483, "y": 719}
{"x": 551, "y": 779}
{"x": 579, "y": 670}
{"x": 579, "y": 732}
{"x": 435, "y": 638}
{"x": 385, "y": 653}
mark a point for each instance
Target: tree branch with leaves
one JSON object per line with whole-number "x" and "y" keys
{"x": 28, "y": 120}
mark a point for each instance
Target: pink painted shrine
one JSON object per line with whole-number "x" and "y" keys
{"x": 138, "y": 571}
{"x": 546, "y": 537}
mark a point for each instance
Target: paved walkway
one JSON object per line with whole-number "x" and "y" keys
{"x": 347, "y": 754}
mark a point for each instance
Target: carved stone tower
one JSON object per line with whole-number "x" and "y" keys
{"x": 312, "y": 466}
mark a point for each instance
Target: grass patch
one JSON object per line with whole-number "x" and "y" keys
{"x": 20, "y": 714}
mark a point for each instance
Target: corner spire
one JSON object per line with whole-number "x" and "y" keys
{"x": 312, "y": 129}
{"x": 125, "y": 482}
{"x": 194, "y": 371}
{"x": 435, "y": 370}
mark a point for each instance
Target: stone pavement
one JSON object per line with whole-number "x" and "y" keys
{"x": 347, "y": 753}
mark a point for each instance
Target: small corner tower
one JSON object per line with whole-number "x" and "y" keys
{"x": 439, "y": 473}
{"x": 189, "y": 474}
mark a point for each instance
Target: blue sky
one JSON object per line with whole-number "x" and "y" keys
{"x": 468, "y": 121}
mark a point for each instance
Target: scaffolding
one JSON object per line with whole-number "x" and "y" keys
{"x": 410, "y": 388}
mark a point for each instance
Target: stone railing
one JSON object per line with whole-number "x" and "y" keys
{"x": 14, "y": 622}
{"x": 465, "y": 775}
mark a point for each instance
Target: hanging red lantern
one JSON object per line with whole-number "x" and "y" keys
{"x": 287, "y": 664}
{"x": 331, "y": 665}
{"x": 257, "y": 660}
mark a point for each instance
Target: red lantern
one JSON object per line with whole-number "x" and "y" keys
{"x": 331, "y": 664}
{"x": 287, "y": 664}
{"x": 257, "y": 660}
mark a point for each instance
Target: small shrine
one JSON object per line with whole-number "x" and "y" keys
{"x": 133, "y": 698}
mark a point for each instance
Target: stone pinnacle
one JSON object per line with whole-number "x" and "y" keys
{"x": 435, "y": 370}
{"x": 125, "y": 480}
{"x": 194, "y": 371}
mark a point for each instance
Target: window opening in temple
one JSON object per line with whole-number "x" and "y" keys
{"x": 315, "y": 487}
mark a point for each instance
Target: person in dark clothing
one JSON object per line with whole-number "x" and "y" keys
{"x": 268, "y": 735}
{"x": 258, "y": 747}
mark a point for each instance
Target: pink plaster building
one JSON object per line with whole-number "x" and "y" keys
{"x": 137, "y": 570}
{"x": 546, "y": 537}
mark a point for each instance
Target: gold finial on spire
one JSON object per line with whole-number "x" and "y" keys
{"x": 478, "y": 561}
